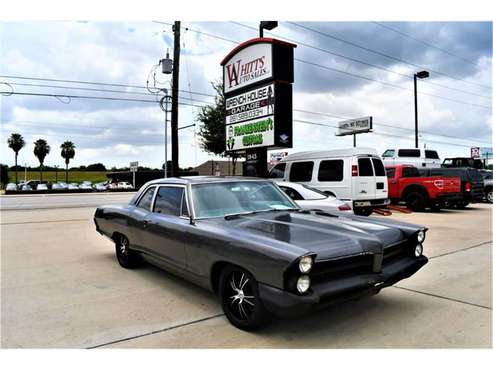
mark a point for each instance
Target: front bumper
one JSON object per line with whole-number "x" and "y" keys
{"x": 285, "y": 304}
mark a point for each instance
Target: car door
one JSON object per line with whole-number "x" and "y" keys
{"x": 167, "y": 225}
{"x": 364, "y": 183}
{"x": 136, "y": 221}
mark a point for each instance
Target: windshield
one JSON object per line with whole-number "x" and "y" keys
{"x": 226, "y": 198}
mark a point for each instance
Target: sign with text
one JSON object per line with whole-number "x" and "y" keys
{"x": 257, "y": 77}
{"x": 249, "y": 105}
{"x": 354, "y": 126}
{"x": 134, "y": 166}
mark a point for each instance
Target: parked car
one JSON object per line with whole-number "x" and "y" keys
{"x": 11, "y": 187}
{"x": 354, "y": 175}
{"x": 42, "y": 186}
{"x": 73, "y": 186}
{"x": 463, "y": 162}
{"x": 26, "y": 187}
{"x": 472, "y": 184}
{"x": 416, "y": 157}
{"x": 247, "y": 241}
{"x": 124, "y": 185}
{"x": 57, "y": 186}
{"x": 406, "y": 184}
{"x": 488, "y": 185}
{"x": 86, "y": 185}
{"x": 101, "y": 186}
{"x": 33, "y": 184}
{"x": 310, "y": 198}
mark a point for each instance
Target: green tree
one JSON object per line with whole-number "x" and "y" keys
{"x": 68, "y": 152}
{"x": 41, "y": 150}
{"x": 16, "y": 143}
{"x": 211, "y": 132}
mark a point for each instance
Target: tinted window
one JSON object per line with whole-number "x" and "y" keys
{"x": 410, "y": 172}
{"x": 146, "y": 201}
{"x": 331, "y": 170}
{"x": 168, "y": 200}
{"x": 364, "y": 167}
{"x": 388, "y": 153}
{"x": 278, "y": 171}
{"x": 431, "y": 154}
{"x": 293, "y": 194}
{"x": 390, "y": 172}
{"x": 301, "y": 171}
{"x": 409, "y": 153}
{"x": 378, "y": 166}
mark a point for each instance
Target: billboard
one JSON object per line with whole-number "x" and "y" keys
{"x": 354, "y": 126}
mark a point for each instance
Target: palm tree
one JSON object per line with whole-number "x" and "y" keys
{"x": 68, "y": 152}
{"x": 41, "y": 150}
{"x": 16, "y": 143}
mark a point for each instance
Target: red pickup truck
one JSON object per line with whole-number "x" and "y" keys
{"x": 407, "y": 185}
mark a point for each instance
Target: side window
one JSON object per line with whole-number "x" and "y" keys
{"x": 410, "y": 172}
{"x": 331, "y": 170}
{"x": 168, "y": 200}
{"x": 378, "y": 166}
{"x": 301, "y": 172}
{"x": 409, "y": 153}
{"x": 278, "y": 171}
{"x": 293, "y": 194}
{"x": 145, "y": 201}
{"x": 389, "y": 153}
{"x": 390, "y": 172}
{"x": 431, "y": 154}
{"x": 364, "y": 167}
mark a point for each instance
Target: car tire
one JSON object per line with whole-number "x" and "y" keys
{"x": 240, "y": 299}
{"x": 126, "y": 257}
{"x": 362, "y": 211}
{"x": 489, "y": 196}
{"x": 415, "y": 201}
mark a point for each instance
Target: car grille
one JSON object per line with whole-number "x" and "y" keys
{"x": 337, "y": 268}
{"x": 395, "y": 252}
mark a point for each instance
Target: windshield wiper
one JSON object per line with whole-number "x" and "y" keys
{"x": 235, "y": 215}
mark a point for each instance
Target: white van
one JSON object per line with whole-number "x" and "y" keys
{"x": 356, "y": 175}
{"x": 416, "y": 157}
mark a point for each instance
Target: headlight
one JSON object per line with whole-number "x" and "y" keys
{"x": 418, "y": 250}
{"x": 303, "y": 284}
{"x": 305, "y": 264}
{"x": 421, "y": 236}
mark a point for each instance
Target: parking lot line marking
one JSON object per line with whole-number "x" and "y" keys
{"x": 462, "y": 249}
{"x": 156, "y": 331}
{"x": 44, "y": 222}
{"x": 443, "y": 297}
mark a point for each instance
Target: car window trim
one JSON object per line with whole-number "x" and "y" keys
{"x": 170, "y": 186}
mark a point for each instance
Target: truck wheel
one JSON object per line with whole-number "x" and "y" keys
{"x": 240, "y": 299}
{"x": 362, "y": 211}
{"x": 415, "y": 201}
{"x": 126, "y": 258}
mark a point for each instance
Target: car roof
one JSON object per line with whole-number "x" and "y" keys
{"x": 202, "y": 179}
{"x": 315, "y": 154}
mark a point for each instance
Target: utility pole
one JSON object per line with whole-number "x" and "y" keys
{"x": 420, "y": 75}
{"x": 174, "y": 97}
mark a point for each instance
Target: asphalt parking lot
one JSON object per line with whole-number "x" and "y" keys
{"x": 61, "y": 286}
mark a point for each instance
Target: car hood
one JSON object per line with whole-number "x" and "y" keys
{"x": 327, "y": 235}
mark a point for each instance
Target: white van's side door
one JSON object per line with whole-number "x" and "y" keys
{"x": 364, "y": 185}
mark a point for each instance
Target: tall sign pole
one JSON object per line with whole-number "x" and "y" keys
{"x": 174, "y": 101}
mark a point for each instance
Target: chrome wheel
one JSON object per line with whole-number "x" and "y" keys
{"x": 241, "y": 299}
{"x": 489, "y": 196}
{"x": 123, "y": 245}
{"x": 126, "y": 257}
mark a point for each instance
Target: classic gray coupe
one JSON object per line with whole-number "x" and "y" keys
{"x": 247, "y": 241}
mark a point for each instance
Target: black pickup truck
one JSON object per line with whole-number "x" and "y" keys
{"x": 472, "y": 184}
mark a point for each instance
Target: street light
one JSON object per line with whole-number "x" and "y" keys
{"x": 420, "y": 75}
{"x": 268, "y": 25}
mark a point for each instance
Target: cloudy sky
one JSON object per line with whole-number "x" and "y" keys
{"x": 343, "y": 70}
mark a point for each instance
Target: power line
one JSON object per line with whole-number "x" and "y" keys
{"x": 424, "y": 42}
{"x": 356, "y": 75}
{"x": 355, "y": 60}
{"x": 384, "y": 55}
